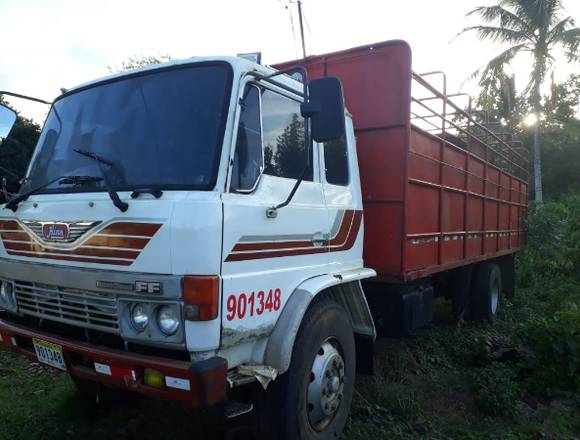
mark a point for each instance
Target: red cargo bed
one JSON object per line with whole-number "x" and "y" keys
{"x": 440, "y": 189}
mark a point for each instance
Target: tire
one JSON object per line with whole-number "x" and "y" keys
{"x": 486, "y": 292}
{"x": 460, "y": 289}
{"x": 322, "y": 372}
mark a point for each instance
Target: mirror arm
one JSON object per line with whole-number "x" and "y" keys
{"x": 272, "y": 212}
{"x": 302, "y": 70}
{"x": 29, "y": 98}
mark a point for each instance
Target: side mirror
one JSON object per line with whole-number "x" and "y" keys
{"x": 325, "y": 109}
{"x": 7, "y": 120}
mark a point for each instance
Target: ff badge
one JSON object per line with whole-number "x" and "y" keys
{"x": 147, "y": 287}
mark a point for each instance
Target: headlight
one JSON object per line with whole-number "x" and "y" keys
{"x": 168, "y": 320}
{"x": 7, "y": 296}
{"x": 139, "y": 317}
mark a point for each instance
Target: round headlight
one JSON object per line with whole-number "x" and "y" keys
{"x": 139, "y": 317}
{"x": 168, "y": 320}
{"x": 7, "y": 297}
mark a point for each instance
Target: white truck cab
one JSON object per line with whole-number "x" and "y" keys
{"x": 184, "y": 230}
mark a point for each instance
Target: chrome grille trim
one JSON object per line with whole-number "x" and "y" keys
{"x": 81, "y": 308}
{"x": 76, "y": 229}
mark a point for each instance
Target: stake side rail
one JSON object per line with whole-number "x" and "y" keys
{"x": 490, "y": 141}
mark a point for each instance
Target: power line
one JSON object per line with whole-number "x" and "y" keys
{"x": 293, "y": 31}
{"x": 299, "y": 2}
{"x": 302, "y": 19}
{"x": 307, "y": 24}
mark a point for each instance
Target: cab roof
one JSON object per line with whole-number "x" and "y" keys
{"x": 239, "y": 66}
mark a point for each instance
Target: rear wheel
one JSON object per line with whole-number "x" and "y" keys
{"x": 460, "y": 288}
{"x": 312, "y": 399}
{"x": 486, "y": 292}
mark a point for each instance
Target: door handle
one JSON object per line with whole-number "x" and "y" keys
{"x": 319, "y": 239}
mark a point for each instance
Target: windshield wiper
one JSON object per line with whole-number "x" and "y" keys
{"x": 123, "y": 206}
{"x": 79, "y": 180}
{"x": 62, "y": 180}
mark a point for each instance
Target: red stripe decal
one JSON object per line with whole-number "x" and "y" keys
{"x": 87, "y": 252}
{"x": 21, "y": 236}
{"x": 67, "y": 258}
{"x": 10, "y": 225}
{"x": 118, "y": 242}
{"x": 344, "y": 240}
{"x": 126, "y": 228}
{"x": 20, "y": 243}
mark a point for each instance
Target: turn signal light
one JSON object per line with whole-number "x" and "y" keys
{"x": 201, "y": 297}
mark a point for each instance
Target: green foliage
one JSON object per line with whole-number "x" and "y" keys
{"x": 16, "y": 149}
{"x": 562, "y": 104}
{"x": 531, "y": 27}
{"x": 496, "y": 390}
{"x": 287, "y": 157}
{"x": 553, "y": 241}
{"x": 561, "y": 158}
{"x": 556, "y": 344}
{"x": 138, "y": 62}
{"x": 537, "y": 29}
{"x": 550, "y": 264}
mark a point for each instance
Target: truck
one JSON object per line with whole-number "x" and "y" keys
{"x": 231, "y": 235}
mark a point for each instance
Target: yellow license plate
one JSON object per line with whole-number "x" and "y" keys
{"x": 49, "y": 354}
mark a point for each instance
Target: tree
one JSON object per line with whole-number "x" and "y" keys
{"x": 561, "y": 159}
{"x": 17, "y": 148}
{"x": 535, "y": 27}
{"x": 499, "y": 99}
{"x": 287, "y": 158}
{"x": 563, "y": 102}
{"x": 138, "y": 62}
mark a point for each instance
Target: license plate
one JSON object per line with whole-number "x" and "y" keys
{"x": 49, "y": 354}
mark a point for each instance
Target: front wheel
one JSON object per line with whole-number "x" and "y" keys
{"x": 312, "y": 399}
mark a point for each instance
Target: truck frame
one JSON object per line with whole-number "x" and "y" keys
{"x": 222, "y": 233}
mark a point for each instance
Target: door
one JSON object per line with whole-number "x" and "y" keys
{"x": 343, "y": 201}
{"x": 266, "y": 257}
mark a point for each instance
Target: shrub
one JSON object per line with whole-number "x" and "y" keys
{"x": 553, "y": 241}
{"x": 555, "y": 369}
{"x": 496, "y": 391}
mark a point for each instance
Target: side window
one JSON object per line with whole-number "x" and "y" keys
{"x": 248, "y": 159}
{"x": 336, "y": 161}
{"x": 283, "y": 128}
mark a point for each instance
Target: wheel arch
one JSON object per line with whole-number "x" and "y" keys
{"x": 344, "y": 288}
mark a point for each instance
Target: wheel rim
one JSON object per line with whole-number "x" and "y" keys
{"x": 494, "y": 297}
{"x": 326, "y": 387}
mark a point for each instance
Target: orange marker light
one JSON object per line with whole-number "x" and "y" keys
{"x": 201, "y": 297}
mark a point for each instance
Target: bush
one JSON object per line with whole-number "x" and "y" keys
{"x": 553, "y": 241}
{"x": 555, "y": 368}
{"x": 496, "y": 390}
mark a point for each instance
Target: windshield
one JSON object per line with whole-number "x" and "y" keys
{"x": 161, "y": 129}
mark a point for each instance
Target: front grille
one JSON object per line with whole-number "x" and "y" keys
{"x": 76, "y": 230}
{"x": 81, "y": 308}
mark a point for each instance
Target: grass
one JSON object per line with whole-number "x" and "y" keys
{"x": 447, "y": 383}
{"x": 464, "y": 383}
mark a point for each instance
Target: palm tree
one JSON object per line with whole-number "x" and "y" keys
{"x": 535, "y": 27}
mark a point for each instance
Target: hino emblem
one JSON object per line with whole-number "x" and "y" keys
{"x": 55, "y": 231}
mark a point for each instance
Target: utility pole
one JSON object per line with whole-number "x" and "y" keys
{"x": 299, "y": 2}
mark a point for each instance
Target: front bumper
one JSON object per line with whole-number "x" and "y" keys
{"x": 206, "y": 380}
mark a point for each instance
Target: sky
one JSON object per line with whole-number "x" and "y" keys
{"x": 47, "y": 45}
